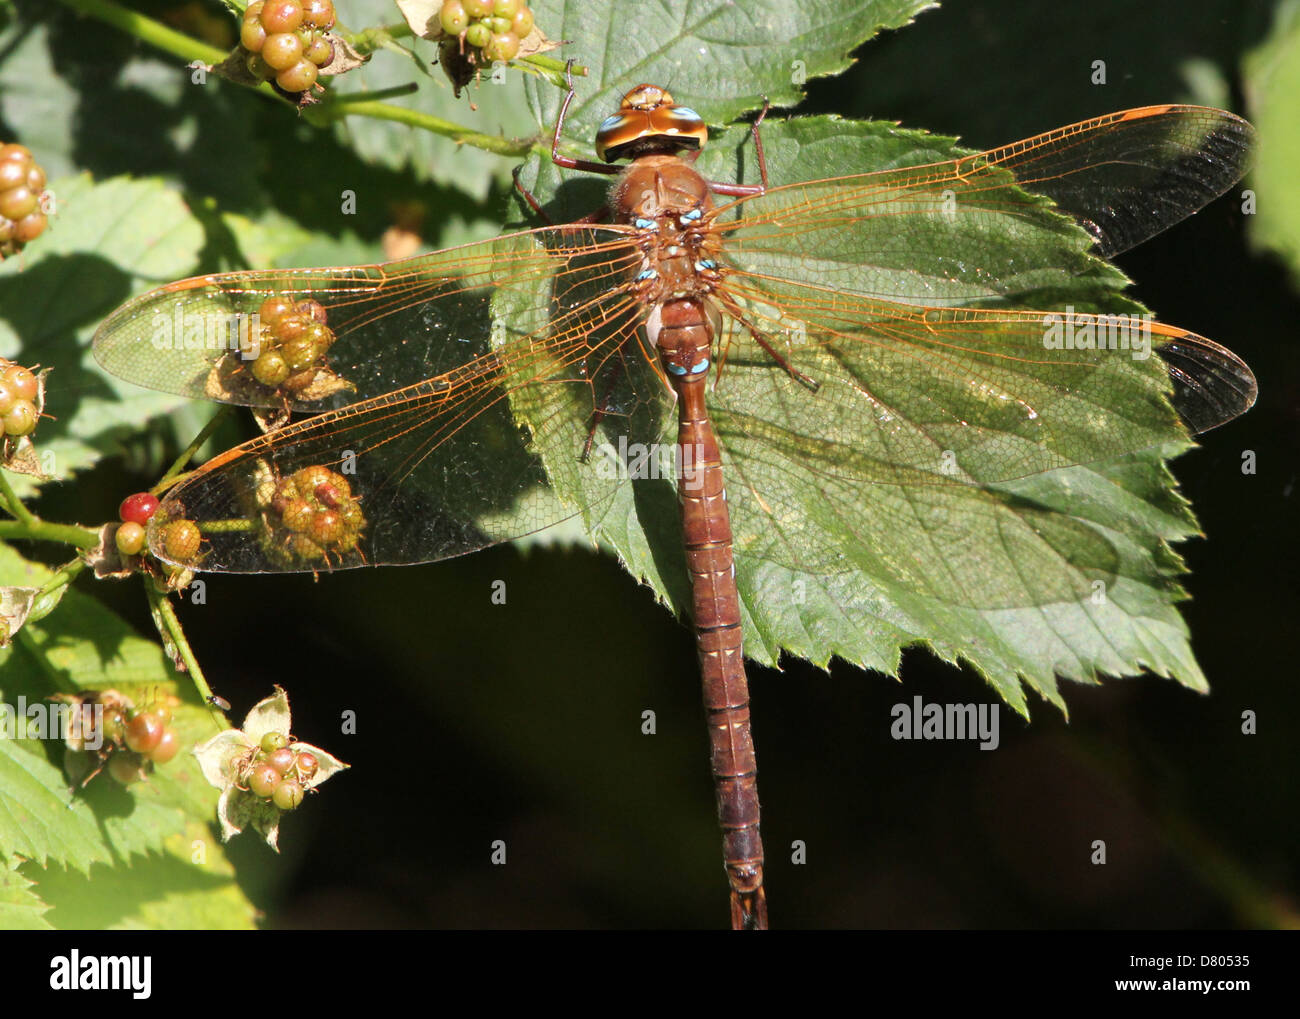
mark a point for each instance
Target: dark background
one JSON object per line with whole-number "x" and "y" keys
{"x": 522, "y": 721}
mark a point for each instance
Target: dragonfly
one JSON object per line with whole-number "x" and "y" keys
{"x": 479, "y": 394}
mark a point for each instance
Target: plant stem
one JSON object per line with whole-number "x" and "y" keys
{"x": 147, "y": 30}
{"x": 172, "y": 632}
{"x": 13, "y": 505}
{"x": 350, "y": 98}
{"x": 40, "y": 530}
{"x": 436, "y": 125}
{"x": 188, "y": 453}
{"x": 180, "y": 45}
{"x": 371, "y": 39}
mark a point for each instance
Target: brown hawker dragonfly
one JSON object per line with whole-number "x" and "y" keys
{"x": 482, "y": 393}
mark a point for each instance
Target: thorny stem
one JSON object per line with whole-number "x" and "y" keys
{"x": 35, "y": 529}
{"x": 188, "y": 453}
{"x": 173, "y": 634}
{"x": 188, "y": 49}
{"x": 12, "y": 504}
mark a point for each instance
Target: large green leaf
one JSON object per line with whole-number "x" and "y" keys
{"x": 20, "y": 908}
{"x": 158, "y": 830}
{"x": 1065, "y": 573}
{"x": 719, "y": 58}
{"x": 500, "y": 110}
{"x": 107, "y": 240}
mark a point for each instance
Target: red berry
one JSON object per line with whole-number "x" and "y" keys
{"x": 168, "y": 747}
{"x": 144, "y": 732}
{"x": 273, "y": 309}
{"x": 21, "y": 419}
{"x": 504, "y": 46}
{"x": 281, "y": 15}
{"x": 320, "y": 51}
{"x": 281, "y": 760}
{"x": 12, "y": 174}
{"x": 138, "y": 508}
{"x": 318, "y": 13}
{"x": 30, "y": 227}
{"x": 252, "y": 35}
{"x": 263, "y": 780}
{"x": 180, "y": 540}
{"x": 273, "y": 741}
{"x": 298, "y": 78}
{"x": 22, "y": 381}
{"x": 453, "y": 17}
{"x": 282, "y": 50}
{"x": 306, "y": 766}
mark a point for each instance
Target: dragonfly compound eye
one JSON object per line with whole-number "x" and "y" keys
{"x": 649, "y": 121}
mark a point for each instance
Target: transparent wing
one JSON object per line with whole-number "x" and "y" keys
{"x": 386, "y": 326}
{"x": 447, "y": 464}
{"x": 953, "y": 232}
{"x": 912, "y": 401}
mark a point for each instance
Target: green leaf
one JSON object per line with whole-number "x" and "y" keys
{"x": 106, "y": 241}
{"x": 717, "y": 57}
{"x": 501, "y": 110}
{"x": 1273, "y": 77}
{"x": 1065, "y": 573}
{"x": 83, "y": 646}
{"x": 20, "y": 908}
{"x": 188, "y": 886}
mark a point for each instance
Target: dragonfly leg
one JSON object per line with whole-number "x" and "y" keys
{"x": 741, "y": 190}
{"x": 568, "y": 162}
{"x": 532, "y": 201}
{"x": 736, "y": 312}
{"x": 600, "y": 413}
{"x": 599, "y": 216}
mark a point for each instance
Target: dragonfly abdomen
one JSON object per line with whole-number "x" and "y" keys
{"x": 682, "y": 331}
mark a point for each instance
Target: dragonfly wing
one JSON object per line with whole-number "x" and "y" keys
{"x": 1212, "y": 385}
{"x": 1130, "y": 175}
{"x": 446, "y": 465}
{"x": 920, "y": 412}
{"x": 391, "y": 325}
{"x": 958, "y": 231}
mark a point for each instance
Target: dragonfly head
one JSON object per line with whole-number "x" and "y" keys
{"x": 649, "y": 121}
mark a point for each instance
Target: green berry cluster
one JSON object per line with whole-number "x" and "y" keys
{"x": 286, "y": 40}
{"x": 493, "y": 27}
{"x": 314, "y": 514}
{"x": 274, "y": 771}
{"x": 130, "y": 742}
{"x": 22, "y": 186}
{"x": 19, "y": 395}
{"x": 293, "y": 340}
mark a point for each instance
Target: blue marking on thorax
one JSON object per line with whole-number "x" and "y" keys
{"x": 643, "y": 224}
{"x": 692, "y": 216}
{"x": 646, "y": 274}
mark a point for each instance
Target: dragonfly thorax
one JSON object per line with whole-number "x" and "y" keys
{"x": 669, "y": 204}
